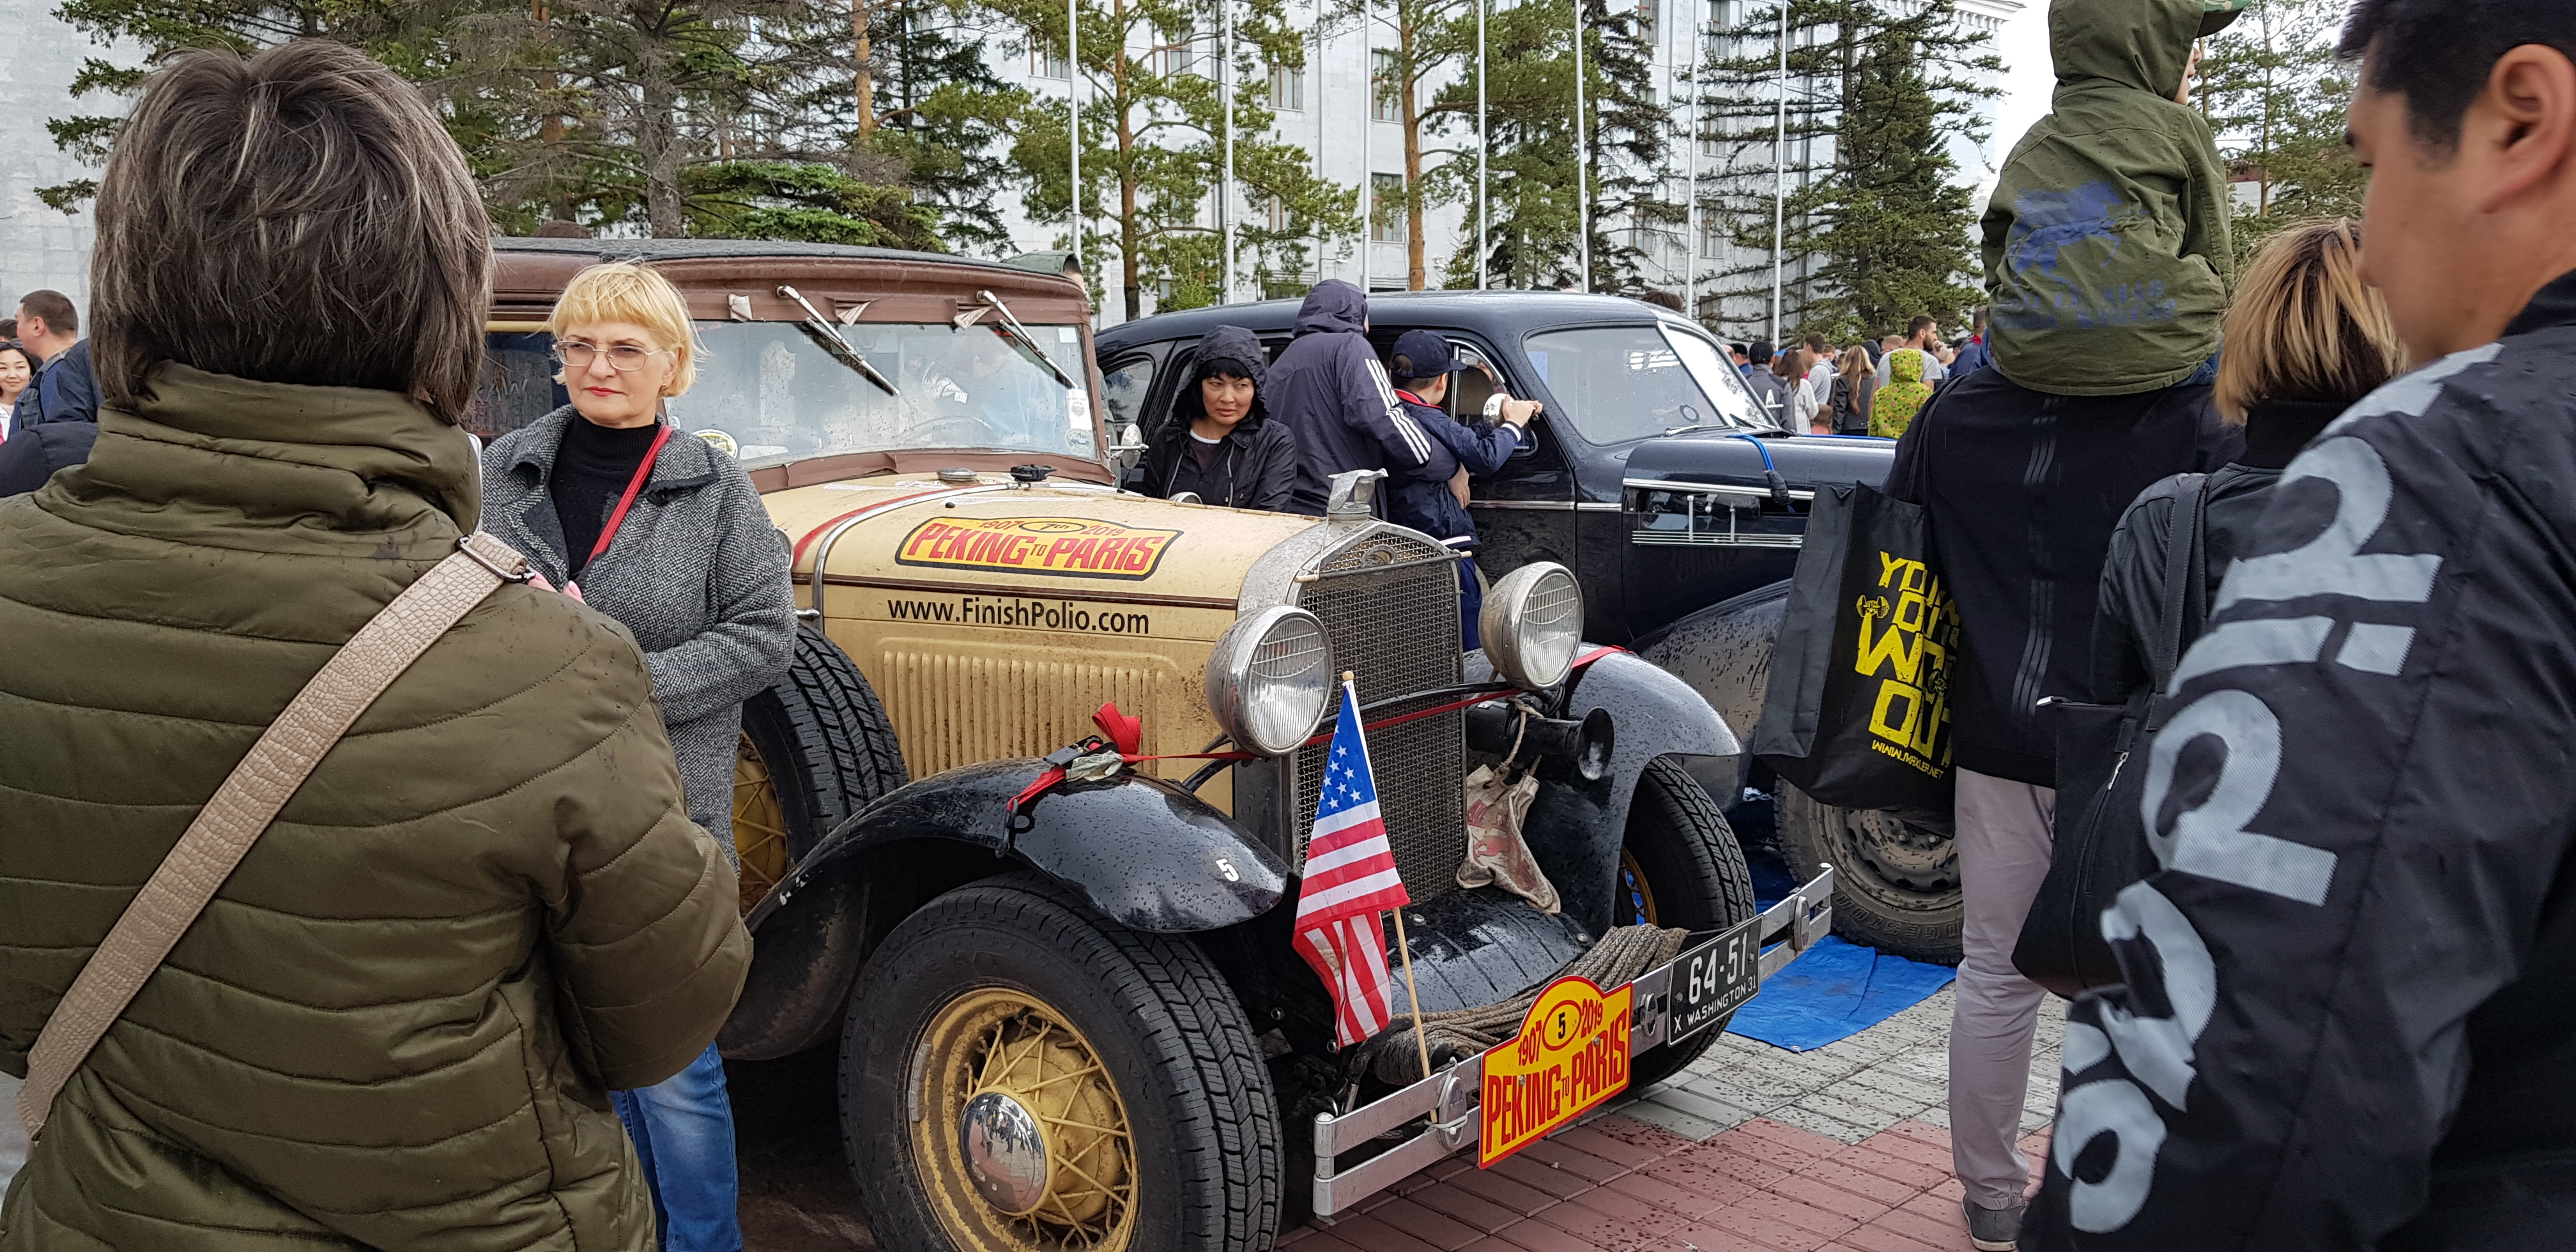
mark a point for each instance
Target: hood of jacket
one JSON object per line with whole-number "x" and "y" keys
{"x": 1238, "y": 352}
{"x": 2141, "y": 44}
{"x": 1333, "y": 305}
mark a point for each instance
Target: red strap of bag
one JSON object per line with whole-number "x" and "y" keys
{"x": 633, "y": 486}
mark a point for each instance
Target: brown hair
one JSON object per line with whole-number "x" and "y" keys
{"x": 2304, "y": 326}
{"x": 296, "y": 217}
{"x": 54, "y": 307}
{"x": 1858, "y": 369}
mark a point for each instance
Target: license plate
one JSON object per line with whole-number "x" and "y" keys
{"x": 1715, "y": 978}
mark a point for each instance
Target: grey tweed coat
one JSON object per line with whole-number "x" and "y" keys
{"x": 697, "y": 573}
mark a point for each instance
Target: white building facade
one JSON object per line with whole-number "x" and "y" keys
{"x": 41, "y": 246}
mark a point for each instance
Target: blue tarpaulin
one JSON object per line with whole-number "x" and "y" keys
{"x": 1834, "y": 990}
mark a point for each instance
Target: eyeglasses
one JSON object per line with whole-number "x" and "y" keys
{"x": 625, "y": 358}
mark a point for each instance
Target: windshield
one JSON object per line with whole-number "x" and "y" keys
{"x": 1619, "y": 383}
{"x": 780, "y": 396}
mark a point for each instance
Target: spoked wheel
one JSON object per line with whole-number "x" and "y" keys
{"x": 1896, "y": 882}
{"x": 1680, "y": 866}
{"x": 1020, "y": 1074}
{"x": 759, "y": 825}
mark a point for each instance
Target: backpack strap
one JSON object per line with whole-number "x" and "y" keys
{"x": 2186, "y": 591}
{"x": 248, "y": 801}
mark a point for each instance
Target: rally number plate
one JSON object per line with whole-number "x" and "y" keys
{"x": 1714, "y": 978}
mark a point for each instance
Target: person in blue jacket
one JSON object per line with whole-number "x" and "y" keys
{"x": 1329, "y": 388}
{"x": 1422, "y": 366}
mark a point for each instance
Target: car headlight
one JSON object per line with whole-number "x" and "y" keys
{"x": 1270, "y": 678}
{"x": 1532, "y": 623}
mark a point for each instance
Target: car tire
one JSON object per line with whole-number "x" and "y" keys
{"x": 815, "y": 749}
{"x": 1896, "y": 881}
{"x": 1680, "y": 866}
{"x": 1018, "y": 966}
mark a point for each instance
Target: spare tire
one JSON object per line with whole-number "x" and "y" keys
{"x": 815, "y": 749}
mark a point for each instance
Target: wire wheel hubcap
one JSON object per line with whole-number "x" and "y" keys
{"x": 1022, "y": 1142}
{"x": 759, "y": 824}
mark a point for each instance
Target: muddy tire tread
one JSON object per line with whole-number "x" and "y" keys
{"x": 832, "y": 719}
{"x": 1711, "y": 854}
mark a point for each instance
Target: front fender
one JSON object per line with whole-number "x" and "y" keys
{"x": 1724, "y": 653}
{"x": 1144, "y": 852}
{"x": 1575, "y": 827}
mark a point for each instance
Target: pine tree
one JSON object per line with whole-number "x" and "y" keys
{"x": 2274, "y": 91}
{"x": 1875, "y": 223}
{"x": 1424, "y": 43}
{"x": 1151, "y": 125}
{"x": 940, "y": 113}
{"x": 1531, "y": 239}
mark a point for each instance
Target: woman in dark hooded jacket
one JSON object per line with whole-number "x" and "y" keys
{"x": 2305, "y": 340}
{"x": 1220, "y": 443}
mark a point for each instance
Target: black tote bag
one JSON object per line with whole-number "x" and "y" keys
{"x": 2101, "y": 779}
{"x": 1857, "y": 714}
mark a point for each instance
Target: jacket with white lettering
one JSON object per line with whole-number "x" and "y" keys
{"x": 2346, "y": 1020}
{"x": 1330, "y": 388}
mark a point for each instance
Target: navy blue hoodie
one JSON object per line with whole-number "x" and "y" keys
{"x": 1330, "y": 389}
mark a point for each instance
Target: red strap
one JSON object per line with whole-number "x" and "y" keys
{"x": 627, "y": 501}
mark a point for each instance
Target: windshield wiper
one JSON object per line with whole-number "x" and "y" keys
{"x": 1016, "y": 333}
{"x": 838, "y": 348}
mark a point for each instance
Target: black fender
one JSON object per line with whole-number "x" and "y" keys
{"x": 1724, "y": 653}
{"x": 1144, "y": 852}
{"x": 1575, "y": 827}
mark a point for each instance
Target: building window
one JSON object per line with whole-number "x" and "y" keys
{"x": 1288, "y": 88}
{"x": 1274, "y": 211}
{"x": 1046, "y": 61}
{"x": 1649, "y": 12}
{"x": 1386, "y": 210}
{"x": 1712, "y": 238}
{"x": 1180, "y": 56}
{"x": 1382, "y": 76}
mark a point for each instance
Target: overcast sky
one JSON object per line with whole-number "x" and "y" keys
{"x": 2023, "y": 44}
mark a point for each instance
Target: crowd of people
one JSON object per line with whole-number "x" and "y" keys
{"x": 2339, "y": 1021}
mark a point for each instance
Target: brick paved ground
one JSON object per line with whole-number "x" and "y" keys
{"x": 1752, "y": 1149}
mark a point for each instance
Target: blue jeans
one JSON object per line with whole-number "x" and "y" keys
{"x": 683, "y": 1133}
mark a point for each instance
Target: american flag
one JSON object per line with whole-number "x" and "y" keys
{"x": 1350, "y": 879}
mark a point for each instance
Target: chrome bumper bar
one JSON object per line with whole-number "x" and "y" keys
{"x": 1443, "y": 1107}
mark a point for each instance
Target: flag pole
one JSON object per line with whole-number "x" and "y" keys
{"x": 1403, "y": 946}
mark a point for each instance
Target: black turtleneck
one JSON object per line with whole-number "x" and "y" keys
{"x": 591, "y": 472}
{"x": 2276, "y": 430}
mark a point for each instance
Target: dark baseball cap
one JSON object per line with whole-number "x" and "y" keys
{"x": 1424, "y": 354}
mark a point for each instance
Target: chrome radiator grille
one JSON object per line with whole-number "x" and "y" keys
{"x": 1396, "y": 627}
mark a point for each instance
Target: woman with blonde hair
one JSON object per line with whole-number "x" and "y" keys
{"x": 665, "y": 534}
{"x": 2305, "y": 340}
{"x": 1855, "y": 386}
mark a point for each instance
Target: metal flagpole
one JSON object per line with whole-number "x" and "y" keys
{"x": 1484, "y": 153}
{"x": 1582, "y": 157}
{"x": 1690, "y": 225}
{"x": 1225, "y": 98}
{"x": 1073, "y": 112}
{"x": 1780, "y": 178}
{"x": 1368, "y": 137}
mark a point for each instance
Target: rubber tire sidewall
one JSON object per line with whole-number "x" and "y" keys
{"x": 827, "y": 742}
{"x": 1164, "y": 1023}
{"x": 1695, "y": 867}
{"x": 1928, "y": 935}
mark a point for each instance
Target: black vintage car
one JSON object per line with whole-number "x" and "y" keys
{"x": 1676, "y": 498}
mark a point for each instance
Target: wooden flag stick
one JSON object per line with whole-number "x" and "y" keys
{"x": 1404, "y": 950}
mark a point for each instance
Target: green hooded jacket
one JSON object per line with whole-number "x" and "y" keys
{"x": 397, "y": 1023}
{"x": 2106, "y": 243}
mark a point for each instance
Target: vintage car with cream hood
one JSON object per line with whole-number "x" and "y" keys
{"x": 1059, "y": 970}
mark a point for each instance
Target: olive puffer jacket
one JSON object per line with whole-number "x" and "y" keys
{"x": 396, "y": 1025}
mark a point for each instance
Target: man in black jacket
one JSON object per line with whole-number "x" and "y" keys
{"x": 2346, "y": 1020}
{"x": 1330, "y": 389}
{"x": 1219, "y": 443}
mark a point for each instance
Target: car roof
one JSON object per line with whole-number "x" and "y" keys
{"x": 1504, "y": 314}
{"x": 691, "y": 249}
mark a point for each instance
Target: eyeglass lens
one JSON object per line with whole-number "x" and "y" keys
{"x": 625, "y": 357}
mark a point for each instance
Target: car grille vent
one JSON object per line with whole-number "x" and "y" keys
{"x": 1393, "y": 620}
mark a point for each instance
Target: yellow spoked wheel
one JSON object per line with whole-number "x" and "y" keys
{"x": 1023, "y": 1144}
{"x": 759, "y": 824}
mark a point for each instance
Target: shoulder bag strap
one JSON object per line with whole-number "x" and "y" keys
{"x": 2184, "y": 572}
{"x": 248, "y": 801}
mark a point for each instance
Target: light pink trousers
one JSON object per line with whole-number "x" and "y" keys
{"x": 2005, "y": 836}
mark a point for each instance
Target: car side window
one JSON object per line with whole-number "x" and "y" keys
{"x": 1123, "y": 387}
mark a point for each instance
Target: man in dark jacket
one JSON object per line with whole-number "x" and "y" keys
{"x": 1219, "y": 443}
{"x": 1331, "y": 391}
{"x": 2345, "y": 1022}
{"x": 62, "y": 390}
{"x": 1423, "y": 364}
{"x": 31, "y": 458}
{"x": 1767, "y": 387}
